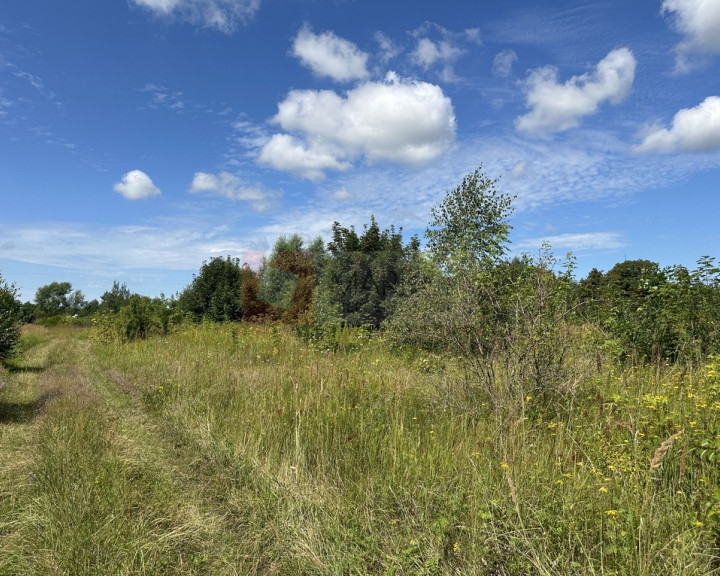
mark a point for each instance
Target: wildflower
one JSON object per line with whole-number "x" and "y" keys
{"x": 552, "y": 425}
{"x": 603, "y": 489}
{"x": 611, "y": 512}
{"x": 456, "y": 547}
{"x": 504, "y": 465}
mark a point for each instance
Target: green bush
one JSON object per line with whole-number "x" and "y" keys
{"x": 9, "y": 329}
{"x": 139, "y": 318}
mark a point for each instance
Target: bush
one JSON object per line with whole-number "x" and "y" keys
{"x": 141, "y": 317}
{"x": 9, "y": 326}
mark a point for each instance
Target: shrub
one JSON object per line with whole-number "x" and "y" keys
{"x": 9, "y": 329}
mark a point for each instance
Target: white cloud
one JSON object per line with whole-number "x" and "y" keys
{"x": 388, "y": 49}
{"x": 329, "y": 55}
{"x": 519, "y": 171}
{"x": 164, "y": 98}
{"x": 136, "y": 185}
{"x": 438, "y": 48}
{"x": 576, "y": 242}
{"x": 4, "y": 105}
{"x": 693, "y": 130}
{"x": 225, "y": 15}
{"x": 428, "y": 52}
{"x": 395, "y": 120}
{"x": 343, "y": 194}
{"x": 699, "y": 22}
{"x": 169, "y": 245}
{"x": 473, "y": 35}
{"x": 555, "y": 107}
{"x": 503, "y": 63}
{"x": 309, "y": 160}
{"x": 231, "y": 187}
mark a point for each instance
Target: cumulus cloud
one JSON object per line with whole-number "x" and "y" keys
{"x": 225, "y": 15}
{"x": 699, "y": 22}
{"x": 329, "y": 55}
{"x": 396, "y": 120}
{"x": 231, "y": 187}
{"x": 693, "y": 130}
{"x": 555, "y": 107}
{"x": 136, "y": 185}
{"x": 308, "y": 159}
{"x": 503, "y": 63}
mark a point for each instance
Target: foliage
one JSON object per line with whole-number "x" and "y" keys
{"x": 469, "y": 227}
{"x": 364, "y": 271}
{"x": 657, "y": 314}
{"x": 9, "y": 329}
{"x": 505, "y": 320}
{"x": 139, "y": 318}
{"x": 115, "y": 298}
{"x": 58, "y": 299}
{"x": 215, "y": 294}
{"x": 286, "y": 282}
{"x": 508, "y": 325}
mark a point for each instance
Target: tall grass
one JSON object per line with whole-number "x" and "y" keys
{"x": 237, "y": 449}
{"x": 357, "y": 462}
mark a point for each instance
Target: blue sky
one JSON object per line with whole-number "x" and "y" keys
{"x": 141, "y": 137}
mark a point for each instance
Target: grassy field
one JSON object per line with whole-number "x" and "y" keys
{"x": 237, "y": 449}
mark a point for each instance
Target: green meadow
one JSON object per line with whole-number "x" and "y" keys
{"x": 243, "y": 449}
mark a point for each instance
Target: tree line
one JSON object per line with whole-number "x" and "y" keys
{"x": 509, "y": 318}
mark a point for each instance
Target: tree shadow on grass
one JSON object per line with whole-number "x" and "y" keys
{"x": 23, "y": 412}
{"x": 14, "y": 369}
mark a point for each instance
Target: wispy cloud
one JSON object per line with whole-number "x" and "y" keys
{"x": 233, "y": 188}
{"x": 225, "y": 15}
{"x": 555, "y": 107}
{"x": 164, "y": 246}
{"x": 437, "y": 48}
{"x": 161, "y": 97}
{"x": 576, "y": 243}
{"x": 503, "y": 63}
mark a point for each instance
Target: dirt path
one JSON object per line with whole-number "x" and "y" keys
{"x": 91, "y": 483}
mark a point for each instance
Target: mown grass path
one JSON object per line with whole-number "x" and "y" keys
{"x": 90, "y": 484}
